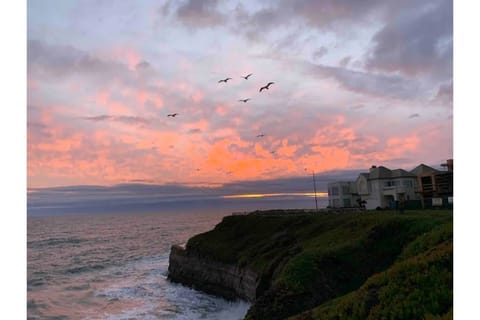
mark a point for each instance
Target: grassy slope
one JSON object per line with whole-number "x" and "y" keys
{"x": 340, "y": 264}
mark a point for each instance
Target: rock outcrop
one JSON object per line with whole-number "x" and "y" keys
{"x": 226, "y": 280}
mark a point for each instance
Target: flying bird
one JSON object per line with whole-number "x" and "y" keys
{"x": 244, "y": 100}
{"x": 224, "y": 80}
{"x": 173, "y": 115}
{"x": 266, "y": 87}
{"x": 246, "y": 77}
{"x": 261, "y": 135}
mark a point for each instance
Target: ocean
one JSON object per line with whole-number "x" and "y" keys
{"x": 114, "y": 266}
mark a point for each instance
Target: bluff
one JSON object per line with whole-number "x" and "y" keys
{"x": 369, "y": 265}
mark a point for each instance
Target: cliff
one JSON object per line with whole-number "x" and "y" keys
{"x": 326, "y": 266}
{"x": 227, "y": 280}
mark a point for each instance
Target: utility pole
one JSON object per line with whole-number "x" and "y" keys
{"x": 315, "y": 190}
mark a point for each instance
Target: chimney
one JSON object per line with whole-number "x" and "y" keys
{"x": 373, "y": 168}
{"x": 449, "y": 165}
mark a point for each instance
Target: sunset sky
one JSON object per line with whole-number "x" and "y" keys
{"x": 356, "y": 83}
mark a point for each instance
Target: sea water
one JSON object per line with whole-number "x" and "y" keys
{"x": 114, "y": 266}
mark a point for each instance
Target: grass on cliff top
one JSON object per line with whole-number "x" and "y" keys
{"x": 418, "y": 285}
{"x": 307, "y": 260}
{"x": 255, "y": 240}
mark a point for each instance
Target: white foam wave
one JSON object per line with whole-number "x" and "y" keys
{"x": 152, "y": 296}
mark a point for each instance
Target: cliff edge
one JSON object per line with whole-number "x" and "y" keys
{"x": 222, "y": 279}
{"x": 326, "y": 266}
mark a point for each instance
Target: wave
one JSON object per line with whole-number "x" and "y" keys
{"x": 54, "y": 242}
{"x": 85, "y": 268}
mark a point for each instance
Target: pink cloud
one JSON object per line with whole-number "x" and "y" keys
{"x": 197, "y": 96}
{"x": 124, "y": 54}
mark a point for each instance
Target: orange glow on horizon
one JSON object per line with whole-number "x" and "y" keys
{"x": 264, "y": 195}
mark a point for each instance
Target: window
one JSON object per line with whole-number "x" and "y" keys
{"x": 345, "y": 189}
{"x": 407, "y": 183}
{"x": 389, "y": 183}
{"x": 336, "y": 203}
{"x": 334, "y": 191}
{"x": 347, "y": 202}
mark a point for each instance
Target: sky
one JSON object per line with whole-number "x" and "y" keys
{"x": 362, "y": 79}
{"x": 356, "y": 84}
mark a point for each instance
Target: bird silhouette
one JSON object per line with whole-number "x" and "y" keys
{"x": 244, "y": 100}
{"x": 173, "y": 115}
{"x": 246, "y": 77}
{"x": 224, "y": 80}
{"x": 261, "y": 135}
{"x": 266, "y": 87}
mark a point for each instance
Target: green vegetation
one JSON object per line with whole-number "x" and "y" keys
{"x": 373, "y": 265}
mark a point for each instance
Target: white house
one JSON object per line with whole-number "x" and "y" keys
{"x": 342, "y": 194}
{"x": 379, "y": 188}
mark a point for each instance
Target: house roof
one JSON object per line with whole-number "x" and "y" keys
{"x": 401, "y": 173}
{"x": 422, "y": 169}
{"x": 382, "y": 172}
{"x": 379, "y": 173}
{"x": 363, "y": 174}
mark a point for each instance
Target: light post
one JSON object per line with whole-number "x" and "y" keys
{"x": 315, "y": 190}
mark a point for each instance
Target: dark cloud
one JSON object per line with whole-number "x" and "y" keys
{"x": 344, "y": 62}
{"x": 414, "y": 115}
{"x": 131, "y": 120}
{"x": 142, "y": 65}
{"x": 357, "y": 107}
{"x": 37, "y": 130}
{"x": 256, "y": 26}
{"x": 194, "y": 131}
{"x": 328, "y": 13}
{"x": 60, "y": 60}
{"x": 144, "y": 194}
{"x": 319, "y": 53}
{"x": 393, "y": 86}
{"x": 444, "y": 94}
{"x": 417, "y": 40}
{"x": 196, "y": 13}
{"x": 103, "y": 117}
{"x": 141, "y": 181}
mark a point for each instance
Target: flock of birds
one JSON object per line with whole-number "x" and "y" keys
{"x": 265, "y": 87}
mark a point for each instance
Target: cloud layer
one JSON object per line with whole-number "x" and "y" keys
{"x": 356, "y": 84}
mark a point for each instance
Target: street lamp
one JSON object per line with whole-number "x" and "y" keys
{"x": 314, "y": 189}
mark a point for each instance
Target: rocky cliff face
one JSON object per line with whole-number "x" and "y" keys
{"x": 227, "y": 280}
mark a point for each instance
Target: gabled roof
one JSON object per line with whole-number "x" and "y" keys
{"x": 397, "y": 173}
{"x": 379, "y": 173}
{"x": 422, "y": 169}
{"x": 364, "y": 175}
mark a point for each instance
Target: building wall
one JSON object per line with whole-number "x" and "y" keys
{"x": 340, "y": 194}
{"x": 379, "y": 190}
